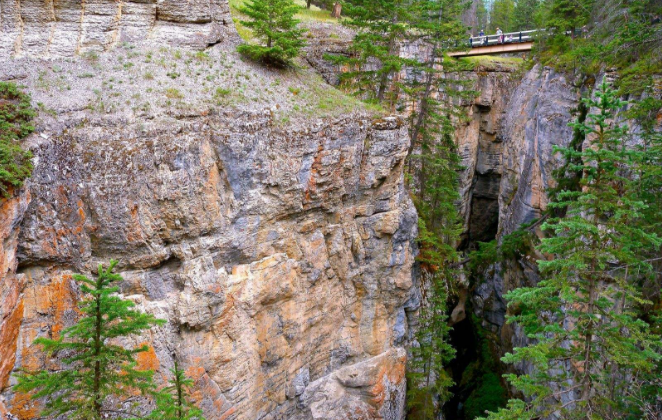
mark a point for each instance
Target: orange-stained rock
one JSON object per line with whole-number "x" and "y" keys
{"x": 278, "y": 253}
{"x": 147, "y": 360}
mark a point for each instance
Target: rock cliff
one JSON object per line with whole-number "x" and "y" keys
{"x": 54, "y": 28}
{"x": 262, "y": 214}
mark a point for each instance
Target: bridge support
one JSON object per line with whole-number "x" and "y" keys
{"x": 494, "y": 49}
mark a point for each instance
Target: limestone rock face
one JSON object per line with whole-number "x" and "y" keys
{"x": 480, "y": 143}
{"x": 529, "y": 119}
{"x": 536, "y": 120}
{"x": 374, "y": 388}
{"x": 64, "y": 28}
{"x": 277, "y": 243}
{"x": 269, "y": 252}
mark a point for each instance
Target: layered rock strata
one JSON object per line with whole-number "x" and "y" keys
{"x": 278, "y": 245}
{"x": 277, "y": 257}
{"x": 53, "y": 28}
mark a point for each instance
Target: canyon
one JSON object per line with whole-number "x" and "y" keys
{"x": 263, "y": 215}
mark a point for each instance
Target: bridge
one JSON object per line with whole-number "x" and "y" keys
{"x": 511, "y": 42}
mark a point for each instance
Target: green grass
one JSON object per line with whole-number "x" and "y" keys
{"x": 314, "y": 14}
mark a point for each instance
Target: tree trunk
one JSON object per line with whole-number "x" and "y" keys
{"x": 97, "y": 350}
{"x": 337, "y": 10}
{"x": 384, "y": 80}
{"x": 180, "y": 397}
{"x": 308, "y": 4}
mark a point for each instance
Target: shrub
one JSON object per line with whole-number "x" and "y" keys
{"x": 16, "y": 116}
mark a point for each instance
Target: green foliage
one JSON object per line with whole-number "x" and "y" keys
{"x": 173, "y": 402}
{"x": 480, "y": 376}
{"x": 526, "y": 15}
{"x": 16, "y": 115}
{"x": 374, "y": 54}
{"x": 620, "y": 35}
{"x": 482, "y": 16}
{"x": 567, "y": 15}
{"x": 510, "y": 247}
{"x": 488, "y": 396}
{"x": 96, "y": 369}
{"x": 433, "y": 168}
{"x": 273, "y": 23}
{"x": 427, "y": 379}
{"x": 501, "y": 16}
{"x": 589, "y": 341}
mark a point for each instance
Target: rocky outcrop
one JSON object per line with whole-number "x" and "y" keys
{"x": 276, "y": 240}
{"x": 64, "y": 28}
{"x": 262, "y": 271}
{"x": 535, "y": 119}
{"x": 539, "y": 112}
{"x": 481, "y": 144}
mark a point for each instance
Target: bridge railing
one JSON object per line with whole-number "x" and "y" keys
{"x": 510, "y": 37}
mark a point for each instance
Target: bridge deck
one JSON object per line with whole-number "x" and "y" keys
{"x": 494, "y": 49}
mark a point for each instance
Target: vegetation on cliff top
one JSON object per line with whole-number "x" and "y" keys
{"x": 16, "y": 116}
{"x": 274, "y": 26}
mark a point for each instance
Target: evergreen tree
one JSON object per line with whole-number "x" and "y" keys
{"x": 273, "y": 23}
{"x": 375, "y": 59}
{"x": 173, "y": 402}
{"x": 15, "y": 124}
{"x": 589, "y": 341}
{"x": 482, "y": 16}
{"x": 434, "y": 162}
{"x": 567, "y": 15}
{"x": 501, "y": 15}
{"x": 526, "y": 15}
{"x": 95, "y": 368}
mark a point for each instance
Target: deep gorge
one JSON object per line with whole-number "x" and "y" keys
{"x": 263, "y": 214}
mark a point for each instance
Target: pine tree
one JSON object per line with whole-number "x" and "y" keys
{"x": 567, "y": 15}
{"x": 434, "y": 164}
{"x": 589, "y": 341}
{"x": 95, "y": 368}
{"x": 173, "y": 402}
{"x": 273, "y": 23}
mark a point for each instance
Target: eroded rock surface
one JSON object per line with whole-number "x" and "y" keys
{"x": 532, "y": 117}
{"x": 275, "y": 239}
{"x": 64, "y": 28}
{"x": 269, "y": 251}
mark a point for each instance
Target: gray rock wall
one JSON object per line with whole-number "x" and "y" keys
{"x": 261, "y": 213}
{"x": 533, "y": 119}
{"x": 52, "y": 28}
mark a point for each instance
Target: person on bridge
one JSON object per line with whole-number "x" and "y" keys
{"x": 499, "y": 33}
{"x": 509, "y": 39}
{"x": 483, "y": 39}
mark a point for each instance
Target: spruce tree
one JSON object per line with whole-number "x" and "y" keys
{"x": 381, "y": 26}
{"x": 95, "y": 368}
{"x": 433, "y": 167}
{"x": 589, "y": 341}
{"x": 526, "y": 15}
{"x": 274, "y": 25}
{"x": 567, "y": 15}
{"x": 173, "y": 402}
